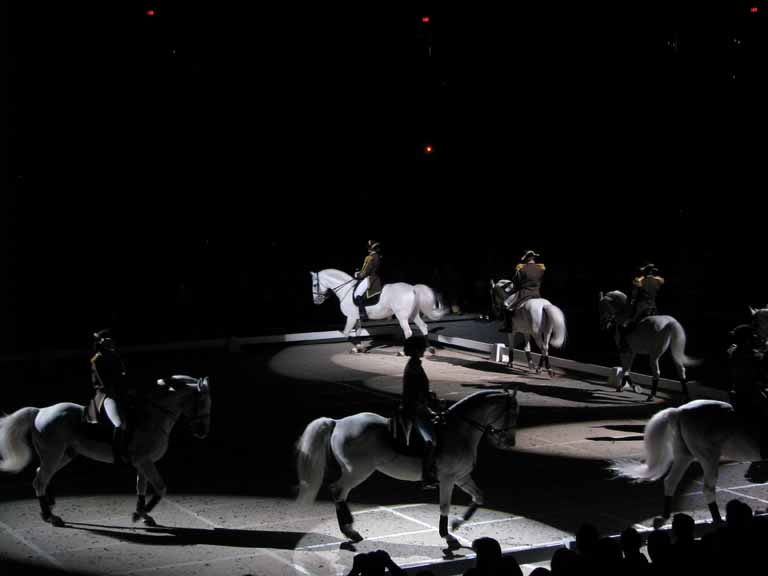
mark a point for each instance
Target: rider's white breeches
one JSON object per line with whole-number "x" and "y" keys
{"x": 113, "y": 413}
{"x": 362, "y": 287}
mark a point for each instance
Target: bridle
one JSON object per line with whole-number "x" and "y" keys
{"x": 489, "y": 427}
{"x": 316, "y": 287}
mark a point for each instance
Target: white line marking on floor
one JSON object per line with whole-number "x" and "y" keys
{"x": 39, "y": 551}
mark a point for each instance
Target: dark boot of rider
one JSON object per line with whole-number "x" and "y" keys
{"x": 120, "y": 446}
{"x": 361, "y": 307}
{"x": 429, "y": 468}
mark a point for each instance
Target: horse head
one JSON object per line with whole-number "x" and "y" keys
{"x": 611, "y": 305}
{"x": 319, "y": 292}
{"x": 499, "y": 294}
{"x": 491, "y": 412}
{"x": 760, "y": 320}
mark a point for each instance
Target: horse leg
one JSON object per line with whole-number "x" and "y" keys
{"x": 528, "y": 355}
{"x": 340, "y": 492}
{"x": 141, "y": 502}
{"x": 511, "y": 340}
{"x": 656, "y": 375}
{"x": 50, "y": 463}
{"x": 424, "y": 329}
{"x": 146, "y": 469}
{"x": 710, "y": 466}
{"x": 470, "y": 487}
{"x": 683, "y": 379}
{"x": 446, "y": 491}
{"x": 406, "y": 328}
{"x": 682, "y": 459}
{"x": 627, "y": 360}
{"x": 351, "y": 323}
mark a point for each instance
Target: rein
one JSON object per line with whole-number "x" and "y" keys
{"x": 316, "y": 287}
{"x": 489, "y": 428}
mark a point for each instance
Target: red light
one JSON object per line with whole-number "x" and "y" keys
{"x": 425, "y": 19}
{"x": 150, "y": 12}
{"x": 754, "y": 10}
{"x": 428, "y": 149}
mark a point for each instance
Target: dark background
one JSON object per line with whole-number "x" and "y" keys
{"x": 176, "y": 176}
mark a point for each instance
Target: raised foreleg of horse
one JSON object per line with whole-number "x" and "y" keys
{"x": 348, "y": 327}
{"x": 470, "y": 487}
{"x": 147, "y": 472}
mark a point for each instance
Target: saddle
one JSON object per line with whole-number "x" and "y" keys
{"x": 366, "y": 300}
{"x": 404, "y": 437}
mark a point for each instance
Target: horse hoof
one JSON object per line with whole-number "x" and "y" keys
{"x": 354, "y": 351}
{"x": 400, "y": 353}
{"x": 136, "y": 516}
{"x": 453, "y": 543}
{"x": 538, "y": 370}
{"x": 149, "y": 521}
{"x": 456, "y": 523}
{"x": 431, "y": 350}
{"x": 658, "y": 522}
{"x": 351, "y": 533}
{"x": 54, "y": 520}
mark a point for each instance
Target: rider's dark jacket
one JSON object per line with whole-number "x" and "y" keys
{"x": 527, "y": 281}
{"x": 108, "y": 374}
{"x": 370, "y": 270}
{"x": 643, "y": 296}
{"x": 415, "y": 386}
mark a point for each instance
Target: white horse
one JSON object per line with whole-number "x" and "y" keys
{"x": 652, "y": 335}
{"x": 58, "y": 433}
{"x": 404, "y": 301}
{"x": 362, "y": 443}
{"x": 702, "y": 430}
{"x": 536, "y": 317}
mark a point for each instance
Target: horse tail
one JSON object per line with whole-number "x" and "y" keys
{"x": 312, "y": 448}
{"x": 554, "y": 320}
{"x": 428, "y": 302}
{"x": 15, "y": 445}
{"x": 659, "y": 436}
{"x": 677, "y": 341}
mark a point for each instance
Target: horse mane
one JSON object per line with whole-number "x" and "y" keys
{"x": 464, "y": 403}
{"x": 616, "y": 296}
{"x": 343, "y": 276}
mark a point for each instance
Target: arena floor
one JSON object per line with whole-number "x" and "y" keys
{"x": 537, "y": 495}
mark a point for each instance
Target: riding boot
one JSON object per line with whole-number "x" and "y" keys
{"x": 358, "y": 300}
{"x": 120, "y": 446}
{"x": 428, "y": 471}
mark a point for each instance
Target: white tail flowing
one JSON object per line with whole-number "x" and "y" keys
{"x": 677, "y": 341}
{"x": 15, "y": 445}
{"x": 312, "y": 453}
{"x": 660, "y": 433}
{"x": 428, "y": 303}
{"x": 554, "y": 320}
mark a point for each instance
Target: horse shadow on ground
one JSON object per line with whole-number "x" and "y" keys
{"x": 560, "y": 392}
{"x": 482, "y": 366}
{"x": 242, "y": 538}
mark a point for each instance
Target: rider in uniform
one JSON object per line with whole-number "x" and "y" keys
{"x": 642, "y": 301}
{"x": 416, "y": 397}
{"x": 368, "y": 281}
{"x": 112, "y": 390}
{"x": 526, "y": 284}
{"x": 748, "y": 366}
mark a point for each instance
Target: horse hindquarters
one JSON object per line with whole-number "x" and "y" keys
{"x": 15, "y": 447}
{"x": 312, "y": 451}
